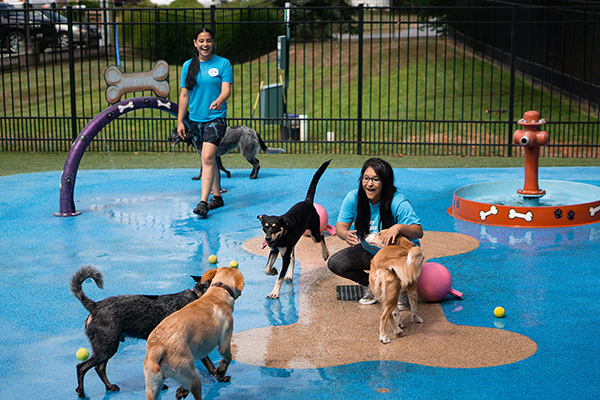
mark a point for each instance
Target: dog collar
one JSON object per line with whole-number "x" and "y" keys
{"x": 224, "y": 286}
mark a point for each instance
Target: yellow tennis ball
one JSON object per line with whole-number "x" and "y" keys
{"x": 82, "y": 354}
{"x": 499, "y": 312}
{"x": 234, "y": 264}
{"x": 212, "y": 259}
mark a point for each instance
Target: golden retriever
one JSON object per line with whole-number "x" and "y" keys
{"x": 192, "y": 333}
{"x": 395, "y": 268}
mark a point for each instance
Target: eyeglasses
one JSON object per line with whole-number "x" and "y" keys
{"x": 375, "y": 180}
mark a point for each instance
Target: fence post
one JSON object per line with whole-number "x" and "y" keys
{"x": 72, "y": 74}
{"x": 213, "y": 19}
{"x": 360, "y": 78}
{"x": 513, "y": 61}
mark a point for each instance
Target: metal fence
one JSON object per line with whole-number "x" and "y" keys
{"x": 340, "y": 80}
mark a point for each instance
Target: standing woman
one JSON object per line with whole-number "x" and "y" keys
{"x": 375, "y": 205}
{"x": 205, "y": 87}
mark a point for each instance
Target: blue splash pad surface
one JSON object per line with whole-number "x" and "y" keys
{"x": 138, "y": 228}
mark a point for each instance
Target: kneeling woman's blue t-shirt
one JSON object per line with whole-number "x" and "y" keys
{"x": 211, "y": 75}
{"x": 401, "y": 209}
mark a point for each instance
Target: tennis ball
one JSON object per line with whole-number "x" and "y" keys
{"x": 234, "y": 264}
{"x": 212, "y": 259}
{"x": 499, "y": 312}
{"x": 82, "y": 354}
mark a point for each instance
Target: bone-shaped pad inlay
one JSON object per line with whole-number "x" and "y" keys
{"x": 512, "y": 214}
{"x": 594, "y": 210}
{"x": 483, "y": 214}
{"x": 120, "y": 83}
{"x": 331, "y": 332}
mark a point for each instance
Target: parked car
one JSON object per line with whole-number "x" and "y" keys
{"x": 14, "y": 28}
{"x": 32, "y": 3}
{"x": 84, "y": 34}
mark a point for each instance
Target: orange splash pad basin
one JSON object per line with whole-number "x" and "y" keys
{"x": 498, "y": 204}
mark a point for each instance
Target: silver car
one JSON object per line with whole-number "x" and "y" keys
{"x": 84, "y": 34}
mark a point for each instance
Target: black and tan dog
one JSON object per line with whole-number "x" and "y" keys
{"x": 117, "y": 317}
{"x": 192, "y": 333}
{"x": 394, "y": 269}
{"x": 283, "y": 232}
{"x": 246, "y": 139}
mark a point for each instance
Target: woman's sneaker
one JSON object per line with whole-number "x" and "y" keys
{"x": 215, "y": 202}
{"x": 403, "y": 304}
{"x": 201, "y": 209}
{"x": 368, "y": 297}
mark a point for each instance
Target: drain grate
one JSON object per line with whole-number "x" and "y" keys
{"x": 349, "y": 292}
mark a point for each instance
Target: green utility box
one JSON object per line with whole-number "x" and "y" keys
{"x": 271, "y": 103}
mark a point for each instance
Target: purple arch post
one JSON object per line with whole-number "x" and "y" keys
{"x": 67, "y": 179}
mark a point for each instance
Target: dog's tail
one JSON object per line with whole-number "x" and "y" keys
{"x": 83, "y": 273}
{"x": 154, "y": 355}
{"x": 414, "y": 263}
{"x": 268, "y": 150}
{"x": 310, "y": 196}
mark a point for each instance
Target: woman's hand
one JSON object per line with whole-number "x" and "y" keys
{"x": 342, "y": 230}
{"x": 181, "y": 130}
{"x": 215, "y": 105}
{"x": 391, "y": 235}
{"x": 408, "y": 231}
{"x": 351, "y": 238}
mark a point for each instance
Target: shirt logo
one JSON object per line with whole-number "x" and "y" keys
{"x": 213, "y": 72}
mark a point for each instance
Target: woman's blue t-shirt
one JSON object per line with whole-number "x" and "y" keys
{"x": 401, "y": 209}
{"x": 211, "y": 75}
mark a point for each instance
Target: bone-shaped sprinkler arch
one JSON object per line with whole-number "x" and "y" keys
{"x": 85, "y": 137}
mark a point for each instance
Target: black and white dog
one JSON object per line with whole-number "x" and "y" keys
{"x": 117, "y": 317}
{"x": 283, "y": 232}
{"x": 246, "y": 139}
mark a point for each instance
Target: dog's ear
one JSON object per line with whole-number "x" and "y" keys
{"x": 261, "y": 217}
{"x": 238, "y": 280}
{"x": 209, "y": 275}
{"x": 200, "y": 287}
{"x": 196, "y": 278}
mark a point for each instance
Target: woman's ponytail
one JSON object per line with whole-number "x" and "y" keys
{"x": 190, "y": 79}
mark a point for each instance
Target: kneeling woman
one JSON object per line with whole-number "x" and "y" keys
{"x": 375, "y": 205}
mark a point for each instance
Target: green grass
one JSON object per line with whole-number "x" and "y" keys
{"x": 20, "y": 163}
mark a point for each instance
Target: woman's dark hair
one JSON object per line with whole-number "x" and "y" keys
{"x": 385, "y": 173}
{"x": 190, "y": 79}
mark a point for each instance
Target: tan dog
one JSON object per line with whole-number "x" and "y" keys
{"x": 192, "y": 333}
{"x": 395, "y": 268}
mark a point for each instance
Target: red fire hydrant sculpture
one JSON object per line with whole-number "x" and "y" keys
{"x": 531, "y": 138}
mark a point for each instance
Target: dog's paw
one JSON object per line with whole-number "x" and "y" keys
{"x": 272, "y": 271}
{"x": 384, "y": 339}
{"x": 397, "y": 329}
{"x": 224, "y": 378}
{"x": 417, "y": 319}
{"x": 273, "y": 296}
{"x": 112, "y": 388}
{"x": 288, "y": 278}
